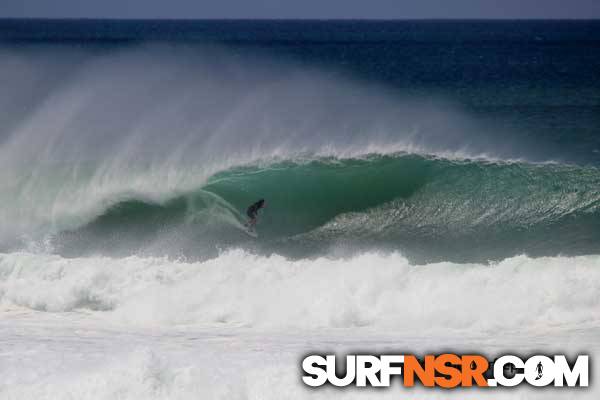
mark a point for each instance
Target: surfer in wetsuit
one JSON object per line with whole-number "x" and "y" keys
{"x": 539, "y": 369}
{"x": 252, "y": 212}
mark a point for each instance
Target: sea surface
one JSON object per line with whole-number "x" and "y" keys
{"x": 430, "y": 185}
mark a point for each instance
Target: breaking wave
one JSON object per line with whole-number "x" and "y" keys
{"x": 239, "y": 289}
{"x": 424, "y": 206}
{"x": 157, "y": 150}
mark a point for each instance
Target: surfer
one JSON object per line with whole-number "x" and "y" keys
{"x": 539, "y": 369}
{"x": 252, "y": 212}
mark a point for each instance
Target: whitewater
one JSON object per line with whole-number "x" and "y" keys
{"x": 396, "y": 221}
{"x": 236, "y": 326}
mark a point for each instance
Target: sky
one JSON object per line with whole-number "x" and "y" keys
{"x": 320, "y": 9}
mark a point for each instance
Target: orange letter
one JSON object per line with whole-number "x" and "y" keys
{"x": 444, "y": 365}
{"x": 473, "y": 368}
{"x": 412, "y": 366}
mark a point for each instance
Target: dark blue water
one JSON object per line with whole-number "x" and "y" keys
{"x": 539, "y": 80}
{"x": 108, "y": 127}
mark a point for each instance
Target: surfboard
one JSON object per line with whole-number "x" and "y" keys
{"x": 250, "y": 232}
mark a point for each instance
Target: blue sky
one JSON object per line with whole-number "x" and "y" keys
{"x": 376, "y": 9}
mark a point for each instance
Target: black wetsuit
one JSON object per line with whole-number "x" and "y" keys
{"x": 253, "y": 209}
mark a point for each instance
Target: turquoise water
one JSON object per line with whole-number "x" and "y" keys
{"x": 431, "y": 209}
{"x": 462, "y": 140}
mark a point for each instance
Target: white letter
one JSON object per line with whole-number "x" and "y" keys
{"x": 499, "y": 371}
{"x": 350, "y": 371}
{"x": 364, "y": 373}
{"x": 580, "y": 370}
{"x": 387, "y": 369}
{"x": 308, "y": 365}
{"x": 539, "y": 371}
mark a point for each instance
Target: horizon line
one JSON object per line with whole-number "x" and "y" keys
{"x": 300, "y": 19}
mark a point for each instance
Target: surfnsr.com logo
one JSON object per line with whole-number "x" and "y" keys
{"x": 445, "y": 370}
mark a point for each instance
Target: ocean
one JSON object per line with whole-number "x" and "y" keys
{"x": 430, "y": 185}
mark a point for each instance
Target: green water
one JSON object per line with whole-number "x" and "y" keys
{"x": 425, "y": 207}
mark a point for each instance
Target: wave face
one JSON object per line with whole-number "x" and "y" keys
{"x": 426, "y": 207}
{"x": 158, "y": 149}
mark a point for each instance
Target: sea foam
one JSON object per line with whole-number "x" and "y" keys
{"x": 370, "y": 290}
